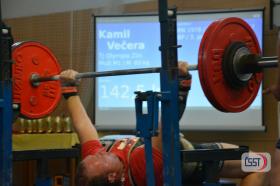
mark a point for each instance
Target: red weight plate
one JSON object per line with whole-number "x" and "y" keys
{"x": 201, "y": 65}
{"x": 224, "y": 97}
{"x": 34, "y": 58}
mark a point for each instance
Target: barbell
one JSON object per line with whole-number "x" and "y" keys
{"x": 229, "y": 65}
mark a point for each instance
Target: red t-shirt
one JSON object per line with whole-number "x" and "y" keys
{"x": 138, "y": 166}
{"x": 135, "y": 163}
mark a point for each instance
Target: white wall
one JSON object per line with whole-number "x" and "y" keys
{"x": 22, "y": 8}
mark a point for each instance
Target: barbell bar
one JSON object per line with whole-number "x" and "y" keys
{"x": 263, "y": 62}
{"x": 230, "y": 70}
{"x": 36, "y": 79}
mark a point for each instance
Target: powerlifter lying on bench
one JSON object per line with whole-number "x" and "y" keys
{"x": 124, "y": 162}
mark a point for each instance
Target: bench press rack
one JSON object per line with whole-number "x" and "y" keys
{"x": 147, "y": 123}
{"x": 168, "y": 96}
{"x": 6, "y": 110}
